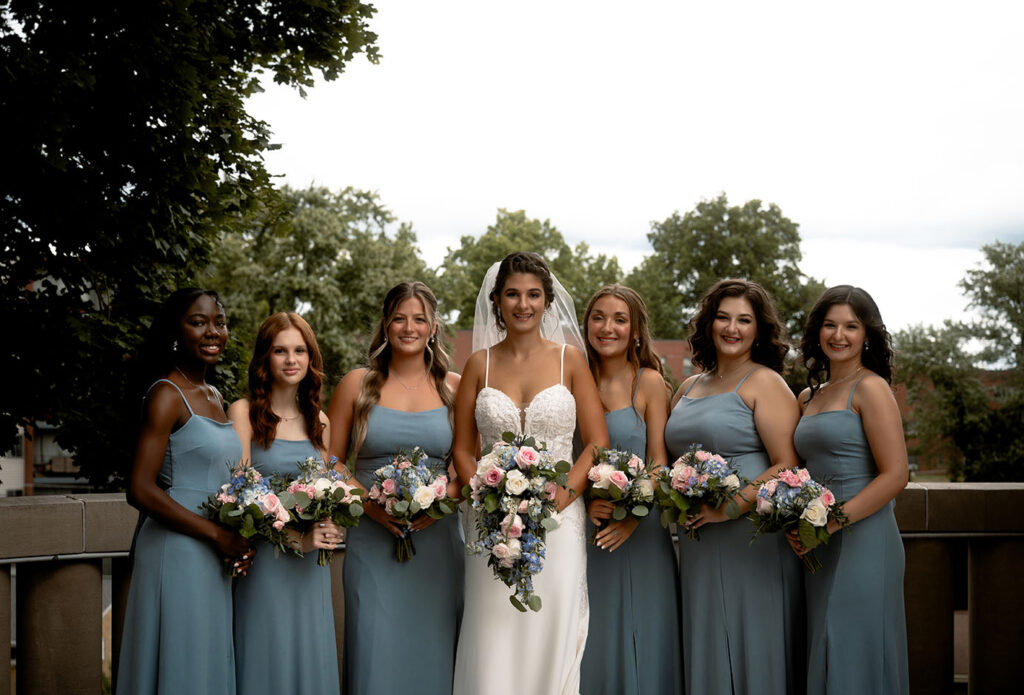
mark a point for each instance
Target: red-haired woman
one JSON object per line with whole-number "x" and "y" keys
{"x": 284, "y": 622}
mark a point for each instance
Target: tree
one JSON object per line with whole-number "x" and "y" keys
{"x": 131, "y": 149}
{"x": 716, "y": 241}
{"x": 966, "y": 380}
{"x": 329, "y": 256}
{"x": 463, "y": 268}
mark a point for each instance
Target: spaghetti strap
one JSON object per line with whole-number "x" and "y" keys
{"x": 168, "y": 381}
{"x": 745, "y": 377}
{"x": 687, "y": 391}
{"x": 636, "y": 389}
{"x": 561, "y": 366}
{"x": 487, "y": 367}
{"x": 849, "y": 399}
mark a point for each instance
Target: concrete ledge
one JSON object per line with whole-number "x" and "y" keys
{"x": 109, "y": 522}
{"x": 41, "y": 526}
{"x": 912, "y": 508}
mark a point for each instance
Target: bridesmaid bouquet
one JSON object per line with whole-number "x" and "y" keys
{"x": 405, "y": 487}
{"x": 320, "y": 492}
{"x": 696, "y": 478}
{"x": 513, "y": 493}
{"x": 248, "y": 504}
{"x": 621, "y": 478}
{"x": 794, "y": 499}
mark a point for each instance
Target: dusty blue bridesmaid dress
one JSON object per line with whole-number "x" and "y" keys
{"x": 402, "y": 618}
{"x": 742, "y": 612}
{"x": 177, "y": 628}
{"x": 633, "y": 643}
{"x": 284, "y": 620}
{"x": 857, "y": 633}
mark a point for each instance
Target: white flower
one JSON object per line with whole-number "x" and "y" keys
{"x": 424, "y": 496}
{"x": 600, "y": 475}
{"x": 516, "y": 483}
{"x": 732, "y": 482}
{"x": 816, "y": 513}
{"x": 645, "y": 488}
{"x": 322, "y": 486}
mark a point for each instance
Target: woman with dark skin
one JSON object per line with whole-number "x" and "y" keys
{"x": 177, "y": 634}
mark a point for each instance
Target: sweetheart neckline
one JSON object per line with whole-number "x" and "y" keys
{"x": 528, "y": 405}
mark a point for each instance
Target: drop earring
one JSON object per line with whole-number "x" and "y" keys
{"x": 174, "y": 347}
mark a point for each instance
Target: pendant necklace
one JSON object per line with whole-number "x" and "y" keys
{"x": 209, "y": 396}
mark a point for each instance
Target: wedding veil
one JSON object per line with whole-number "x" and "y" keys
{"x": 559, "y": 322}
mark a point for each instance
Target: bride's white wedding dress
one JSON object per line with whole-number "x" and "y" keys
{"x": 500, "y": 649}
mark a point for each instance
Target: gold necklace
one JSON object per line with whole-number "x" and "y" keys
{"x": 405, "y": 386}
{"x": 209, "y": 396}
{"x": 845, "y": 378}
{"x": 734, "y": 369}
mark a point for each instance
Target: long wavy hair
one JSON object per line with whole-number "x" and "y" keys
{"x": 261, "y": 381}
{"x": 877, "y": 354}
{"x": 435, "y": 357}
{"x": 521, "y": 262}
{"x": 770, "y": 345}
{"x": 641, "y": 352}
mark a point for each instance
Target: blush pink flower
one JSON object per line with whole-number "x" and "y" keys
{"x": 635, "y": 464}
{"x": 404, "y": 464}
{"x": 526, "y": 457}
{"x": 763, "y": 506}
{"x": 512, "y": 526}
{"x": 790, "y": 478}
{"x": 225, "y": 498}
{"x": 803, "y": 475}
{"x": 702, "y": 456}
{"x": 552, "y": 490}
{"x": 493, "y": 476}
{"x": 619, "y": 480}
{"x": 271, "y": 503}
{"x": 440, "y": 487}
{"x": 828, "y": 498}
{"x": 388, "y": 486}
{"x": 771, "y": 486}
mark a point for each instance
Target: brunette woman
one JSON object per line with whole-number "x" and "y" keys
{"x": 741, "y": 608}
{"x": 177, "y": 630}
{"x": 401, "y": 619}
{"x": 851, "y": 436}
{"x": 279, "y": 425}
{"x": 632, "y": 579}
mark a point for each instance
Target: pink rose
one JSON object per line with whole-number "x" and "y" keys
{"x": 523, "y": 506}
{"x": 374, "y": 493}
{"x": 703, "y": 478}
{"x": 552, "y": 490}
{"x": 771, "y": 486}
{"x": 494, "y": 476}
{"x": 593, "y": 475}
{"x": 619, "y": 479}
{"x": 526, "y": 457}
{"x": 404, "y": 464}
{"x": 225, "y": 498}
{"x": 803, "y": 475}
{"x": 389, "y": 505}
{"x": 271, "y": 503}
{"x": 440, "y": 487}
{"x": 702, "y": 456}
{"x": 635, "y": 464}
{"x": 282, "y": 516}
{"x": 512, "y": 526}
{"x": 389, "y": 486}
{"x": 278, "y": 524}
{"x": 828, "y": 498}
{"x": 790, "y": 478}
{"x": 764, "y": 507}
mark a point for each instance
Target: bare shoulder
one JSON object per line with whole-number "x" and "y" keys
{"x": 573, "y": 357}
{"x": 872, "y": 390}
{"x": 453, "y": 379}
{"x": 163, "y": 401}
{"x": 652, "y": 384}
{"x": 804, "y": 398}
{"x": 353, "y": 381}
{"x": 239, "y": 409}
{"x": 769, "y": 381}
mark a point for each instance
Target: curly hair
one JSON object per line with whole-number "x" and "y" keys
{"x": 641, "y": 352}
{"x": 435, "y": 357}
{"x": 261, "y": 382}
{"x": 770, "y": 346}
{"x": 877, "y": 354}
{"x": 521, "y": 262}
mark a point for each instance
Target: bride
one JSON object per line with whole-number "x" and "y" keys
{"x": 522, "y": 378}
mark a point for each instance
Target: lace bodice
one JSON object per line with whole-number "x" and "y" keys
{"x": 549, "y": 418}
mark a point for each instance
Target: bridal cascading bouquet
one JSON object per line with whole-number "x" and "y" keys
{"x": 794, "y": 499}
{"x": 407, "y": 486}
{"x": 320, "y": 492}
{"x": 696, "y": 478}
{"x": 248, "y": 504}
{"x": 513, "y": 497}
{"x": 622, "y": 478}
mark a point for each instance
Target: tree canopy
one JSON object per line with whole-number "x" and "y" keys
{"x": 714, "y": 241}
{"x": 463, "y": 268}
{"x": 131, "y": 150}
{"x": 966, "y": 380}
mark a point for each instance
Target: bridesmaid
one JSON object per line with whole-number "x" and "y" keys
{"x": 401, "y": 619}
{"x": 177, "y": 630}
{"x": 279, "y": 425}
{"x": 741, "y": 607}
{"x": 851, "y": 436}
{"x": 633, "y": 645}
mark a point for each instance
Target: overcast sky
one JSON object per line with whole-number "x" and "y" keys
{"x": 889, "y": 131}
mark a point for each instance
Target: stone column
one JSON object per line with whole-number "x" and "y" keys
{"x": 59, "y": 628}
{"x": 929, "y": 600}
{"x": 5, "y": 626}
{"x": 995, "y": 606}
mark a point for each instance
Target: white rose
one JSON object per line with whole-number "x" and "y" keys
{"x": 515, "y": 548}
{"x": 424, "y": 496}
{"x": 603, "y": 473}
{"x": 645, "y": 488}
{"x": 816, "y": 513}
{"x": 516, "y": 483}
{"x": 322, "y": 486}
{"x": 732, "y": 482}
